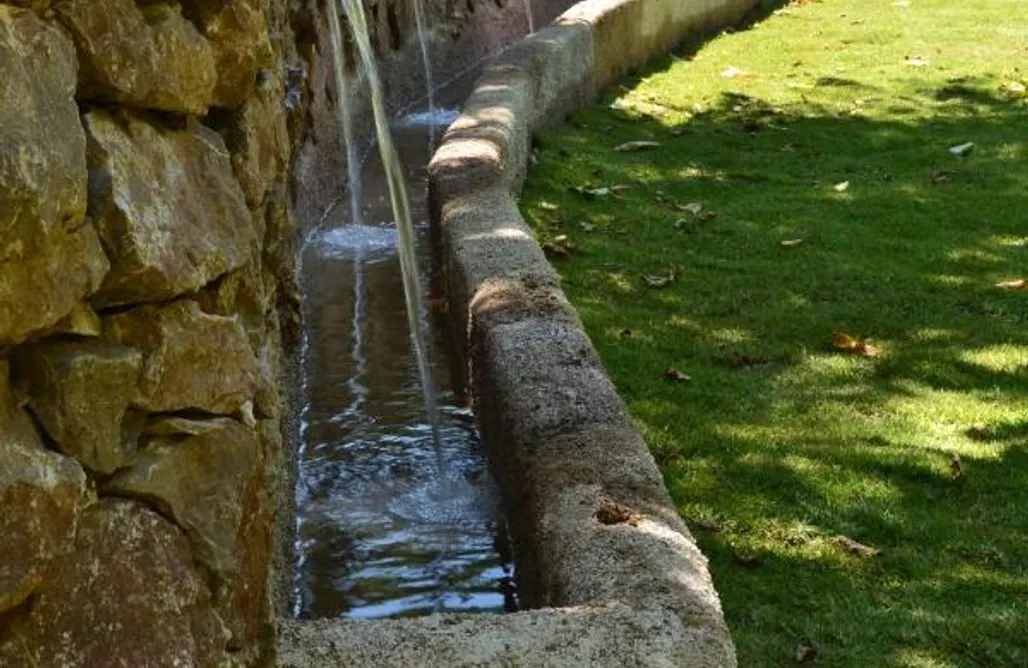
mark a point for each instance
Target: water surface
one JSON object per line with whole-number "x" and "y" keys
{"x": 382, "y": 531}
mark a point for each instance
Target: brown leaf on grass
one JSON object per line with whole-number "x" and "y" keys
{"x": 744, "y": 361}
{"x": 559, "y": 246}
{"x": 790, "y": 243}
{"x": 848, "y": 344}
{"x": 732, "y": 72}
{"x": 1016, "y": 284}
{"x": 637, "y": 146}
{"x": 962, "y": 150}
{"x": 940, "y": 176}
{"x": 747, "y": 559}
{"x": 662, "y": 281}
{"x": 676, "y": 376}
{"x": 956, "y": 466}
{"x": 856, "y": 548}
{"x": 709, "y": 525}
{"x": 805, "y": 654}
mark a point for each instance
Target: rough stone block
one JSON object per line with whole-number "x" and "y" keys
{"x": 151, "y": 57}
{"x": 191, "y": 359}
{"x": 238, "y": 31}
{"x": 210, "y": 479}
{"x": 40, "y": 496}
{"x": 129, "y": 595}
{"x": 79, "y": 392}
{"x": 49, "y": 259}
{"x": 169, "y": 211}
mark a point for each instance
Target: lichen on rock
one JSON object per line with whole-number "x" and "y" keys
{"x": 191, "y": 360}
{"x": 49, "y": 257}
{"x": 129, "y": 595}
{"x": 170, "y": 214}
{"x": 40, "y": 497}
{"x": 80, "y": 391}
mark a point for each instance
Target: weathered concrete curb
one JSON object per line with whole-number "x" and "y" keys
{"x": 592, "y": 521}
{"x": 613, "y": 575}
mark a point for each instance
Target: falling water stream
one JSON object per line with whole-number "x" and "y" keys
{"x": 397, "y": 513}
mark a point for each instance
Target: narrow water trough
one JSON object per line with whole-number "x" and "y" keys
{"x": 607, "y": 573}
{"x": 388, "y": 526}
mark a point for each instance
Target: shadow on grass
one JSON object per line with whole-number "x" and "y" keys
{"x": 919, "y": 452}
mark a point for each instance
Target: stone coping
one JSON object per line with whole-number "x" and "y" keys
{"x": 606, "y": 565}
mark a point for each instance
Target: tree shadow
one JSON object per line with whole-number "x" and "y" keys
{"x": 747, "y": 318}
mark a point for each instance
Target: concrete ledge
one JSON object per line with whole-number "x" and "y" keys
{"x": 593, "y": 524}
{"x": 568, "y": 638}
{"x": 610, "y": 569}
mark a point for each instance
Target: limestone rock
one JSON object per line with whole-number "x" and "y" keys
{"x": 212, "y": 483}
{"x": 167, "y": 207}
{"x": 238, "y": 31}
{"x": 49, "y": 259}
{"x": 81, "y": 321}
{"x": 80, "y": 392}
{"x": 37, "y": 5}
{"x": 258, "y": 139}
{"x": 185, "y": 73}
{"x": 191, "y": 360}
{"x": 152, "y": 58}
{"x": 128, "y": 596}
{"x": 40, "y": 495}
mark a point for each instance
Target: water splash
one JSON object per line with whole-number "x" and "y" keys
{"x": 401, "y": 210}
{"x": 346, "y": 118}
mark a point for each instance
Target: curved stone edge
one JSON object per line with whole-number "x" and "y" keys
{"x": 592, "y": 520}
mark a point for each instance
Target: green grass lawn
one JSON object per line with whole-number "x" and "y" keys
{"x": 826, "y": 124}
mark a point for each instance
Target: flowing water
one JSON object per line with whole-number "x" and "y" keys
{"x": 397, "y": 514}
{"x": 345, "y": 107}
{"x": 420, "y": 25}
{"x": 528, "y": 13}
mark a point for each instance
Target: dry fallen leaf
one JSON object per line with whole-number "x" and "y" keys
{"x": 1013, "y": 89}
{"x": 709, "y": 525}
{"x": 747, "y": 560}
{"x": 612, "y": 512}
{"x": 849, "y": 344}
{"x": 841, "y": 187}
{"x": 1016, "y": 284}
{"x": 672, "y": 276}
{"x": 856, "y": 548}
{"x": 790, "y": 243}
{"x": 940, "y": 176}
{"x": 559, "y": 246}
{"x": 956, "y": 466}
{"x": 635, "y": 146}
{"x": 962, "y": 150}
{"x": 732, "y": 71}
{"x": 805, "y": 653}
{"x": 744, "y": 361}
{"x": 676, "y": 376}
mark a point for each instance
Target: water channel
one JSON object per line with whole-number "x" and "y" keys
{"x": 383, "y": 530}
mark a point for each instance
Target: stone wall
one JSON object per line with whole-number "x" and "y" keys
{"x": 148, "y": 309}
